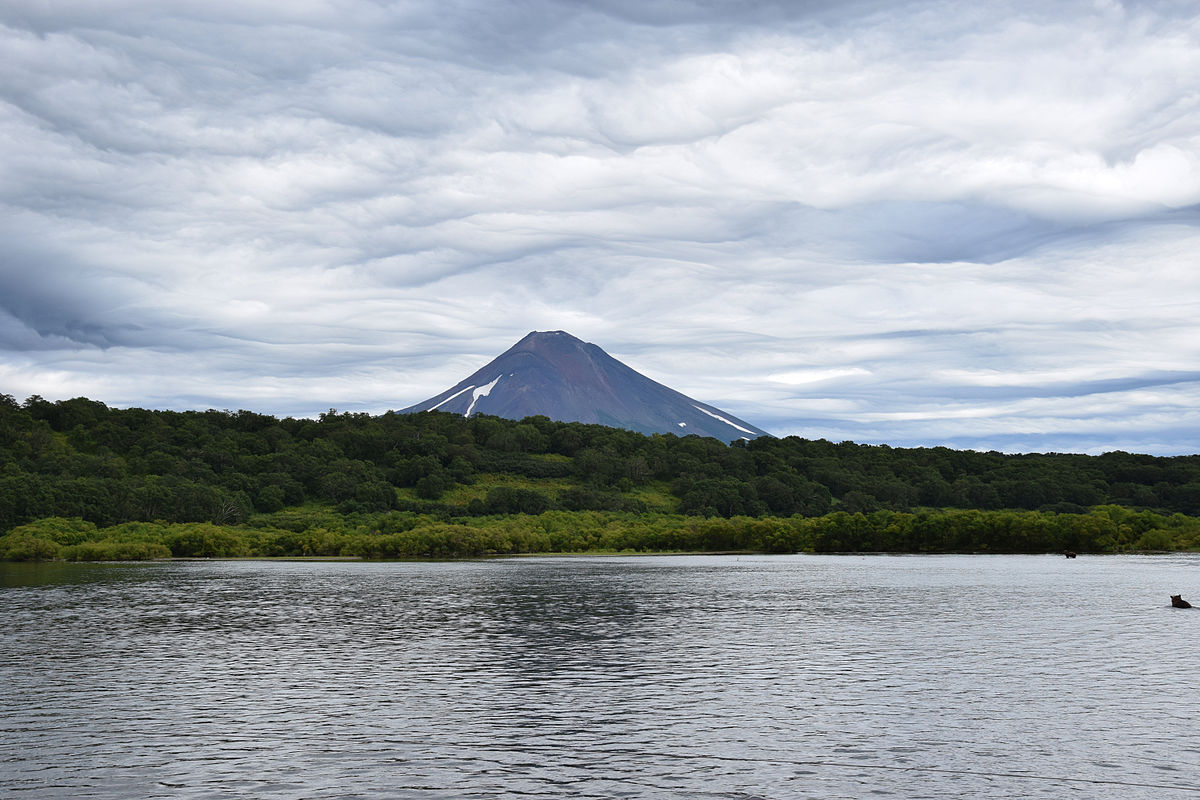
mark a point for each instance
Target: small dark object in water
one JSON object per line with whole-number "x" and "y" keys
{"x": 1178, "y": 601}
{"x": 1069, "y": 553}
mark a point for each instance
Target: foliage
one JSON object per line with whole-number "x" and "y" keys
{"x": 115, "y": 551}
{"x": 78, "y": 478}
{"x": 405, "y": 535}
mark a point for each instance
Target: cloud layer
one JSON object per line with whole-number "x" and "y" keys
{"x": 911, "y": 223}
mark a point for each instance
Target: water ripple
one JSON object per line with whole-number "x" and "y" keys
{"x": 672, "y": 677}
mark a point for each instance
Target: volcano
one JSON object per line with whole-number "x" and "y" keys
{"x": 554, "y": 374}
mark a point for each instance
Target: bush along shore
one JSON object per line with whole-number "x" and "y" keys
{"x": 399, "y": 535}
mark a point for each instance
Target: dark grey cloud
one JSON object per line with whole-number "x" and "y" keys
{"x": 50, "y": 301}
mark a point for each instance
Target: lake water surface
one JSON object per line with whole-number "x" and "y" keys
{"x": 597, "y": 677}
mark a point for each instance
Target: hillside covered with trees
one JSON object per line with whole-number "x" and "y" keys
{"x": 76, "y": 473}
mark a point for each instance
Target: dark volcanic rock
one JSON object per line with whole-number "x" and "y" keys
{"x": 558, "y": 376}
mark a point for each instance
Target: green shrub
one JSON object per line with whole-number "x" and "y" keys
{"x": 20, "y": 547}
{"x": 115, "y": 551}
{"x": 199, "y": 540}
{"x": 61, "y": 530}
{"x": 1155, "y": 540}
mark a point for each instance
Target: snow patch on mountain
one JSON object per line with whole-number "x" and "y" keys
{"x": 484, "y": 391}
{"x": 722, "y": 419}
{"x": 448, "y": 399}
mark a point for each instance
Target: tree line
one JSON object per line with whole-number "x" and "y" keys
{"x": 107, "y": 467}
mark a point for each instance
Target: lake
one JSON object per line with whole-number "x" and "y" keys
{"x": 603, "y": 677}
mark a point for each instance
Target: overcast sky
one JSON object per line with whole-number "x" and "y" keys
{"x": 913, "y": 223}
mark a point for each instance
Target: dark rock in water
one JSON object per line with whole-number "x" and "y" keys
{"x": 1178, "y": 601}
{"x": 556, "y": 375}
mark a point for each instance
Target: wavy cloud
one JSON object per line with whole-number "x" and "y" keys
{"x": 913, "y": 223}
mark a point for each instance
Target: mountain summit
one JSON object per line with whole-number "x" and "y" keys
{"x": 556, "y": 375}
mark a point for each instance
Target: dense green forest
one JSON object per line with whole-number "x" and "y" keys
{"x": 81, "y": 480}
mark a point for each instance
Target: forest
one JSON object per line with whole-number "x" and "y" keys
{"x": 80, "y": 480}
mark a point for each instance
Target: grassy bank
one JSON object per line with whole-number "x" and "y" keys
{"x": 323, "y": 532}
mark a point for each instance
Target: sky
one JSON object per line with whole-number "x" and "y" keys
{"x": 910, "y": 223}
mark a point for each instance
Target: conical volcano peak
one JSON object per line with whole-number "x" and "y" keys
{"x": 549, "y": 336}
{"x": 551, "y": 343}
{"x": 535, "y": 340}
{"x": 557, "y": 375}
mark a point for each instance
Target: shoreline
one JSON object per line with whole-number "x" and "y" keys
{"x": 583, "y": 554}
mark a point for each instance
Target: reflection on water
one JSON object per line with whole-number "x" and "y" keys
{"x": 657, "y": 677}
